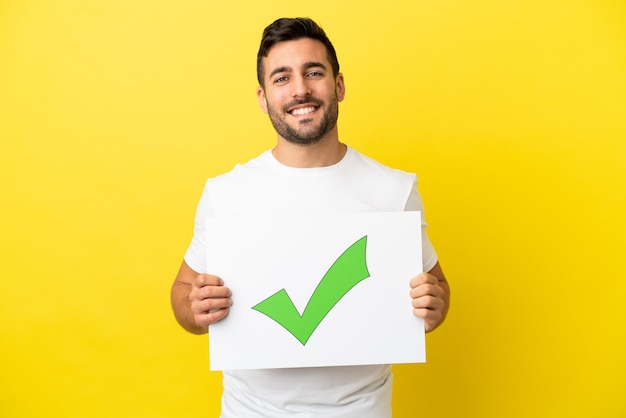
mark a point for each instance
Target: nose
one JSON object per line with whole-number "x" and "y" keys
{"x": 300, "y": 87}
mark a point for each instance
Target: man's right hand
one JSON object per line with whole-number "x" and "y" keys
{"x": 210, "y": 300}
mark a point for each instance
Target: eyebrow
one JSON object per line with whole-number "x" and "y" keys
{"x": 285, "y": 69}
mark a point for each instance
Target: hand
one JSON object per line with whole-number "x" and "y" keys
{"x": 427, "y": 296}
{"x": 210, "y": 300}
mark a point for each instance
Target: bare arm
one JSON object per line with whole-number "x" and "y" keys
{"x": 199, "y": 299}
{"x": 430, "y": 293}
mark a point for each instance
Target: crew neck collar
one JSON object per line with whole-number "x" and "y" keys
{"x": 306, "y": 170}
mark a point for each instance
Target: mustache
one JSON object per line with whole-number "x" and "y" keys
{"x": 301, "y": 101}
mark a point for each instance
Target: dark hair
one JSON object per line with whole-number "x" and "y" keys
{"x": 292, "y": 29}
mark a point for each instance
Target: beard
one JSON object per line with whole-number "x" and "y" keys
{"x": 305, "y": 133}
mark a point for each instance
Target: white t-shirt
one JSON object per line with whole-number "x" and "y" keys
{"x": 265, "y": 187}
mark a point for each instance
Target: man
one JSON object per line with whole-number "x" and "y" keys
{"x": 308, "y": 171}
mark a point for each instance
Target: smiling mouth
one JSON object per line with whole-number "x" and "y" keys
{"x": 303, "y": 111}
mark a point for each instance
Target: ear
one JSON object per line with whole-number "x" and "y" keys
{"x": 340, "y": 87}
{"x": 260, "y": 94}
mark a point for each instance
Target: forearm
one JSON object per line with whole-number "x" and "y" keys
{"x": 182, "y": 308}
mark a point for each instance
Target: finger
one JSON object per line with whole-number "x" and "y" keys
{"x": 426, "y": 289}
{"x": 208, "y": 318}
{"x": 208, "y": 292}
{"x": 207, "y": 280}
{"x": 431, "y": 318}
{"x": 428, "y": 302}
{"x": 207, "y": 305}
{"x": 423, "y": 278}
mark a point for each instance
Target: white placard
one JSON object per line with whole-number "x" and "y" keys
{"x": 363, "y": 316}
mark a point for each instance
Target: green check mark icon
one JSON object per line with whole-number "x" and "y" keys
{"x": 345, "y": 273}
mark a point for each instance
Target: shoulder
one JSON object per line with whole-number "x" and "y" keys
{"x": 374, "y": 167}
{"x": 240, "y": 172}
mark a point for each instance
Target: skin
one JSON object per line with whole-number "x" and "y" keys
{"x": 300, "y": 95}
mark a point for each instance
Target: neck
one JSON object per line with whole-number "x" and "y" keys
{"x": 328, "y": 151}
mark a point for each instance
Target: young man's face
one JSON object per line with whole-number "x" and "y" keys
{"x": 301, "y": 94}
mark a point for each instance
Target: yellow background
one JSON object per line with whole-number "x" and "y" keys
{"x": 113, "y": 114}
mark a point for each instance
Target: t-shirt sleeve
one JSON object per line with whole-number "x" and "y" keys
{"x": 195, "y": 257}
{"x": 429, "y": 256}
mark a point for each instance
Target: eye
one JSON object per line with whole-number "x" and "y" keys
{"x": 281, "y": 80}
{"x": 315, "y": 74}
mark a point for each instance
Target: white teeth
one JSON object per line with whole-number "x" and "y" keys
{"x": 302, "y": 111}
